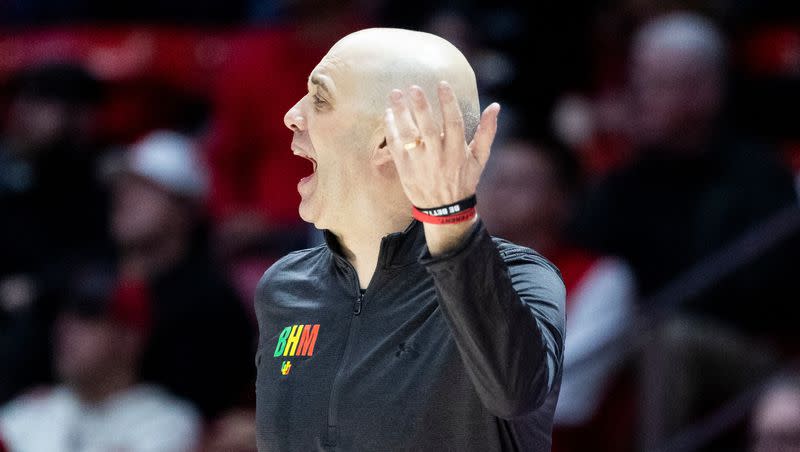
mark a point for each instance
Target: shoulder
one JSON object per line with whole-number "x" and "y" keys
{"x": 517, "y": 254}
{"x": 33, "y": 401}
{"x": 531, "y": 273}
{"x": 294, "y": 261}
{"x": 609, "y": 279}
{"x": 30, "y": 411}
{"x": 157, "y": 420}
{"x": 295, "y": 265}
{"x": 153, "y": 402}
{"x": 614, "y": 267}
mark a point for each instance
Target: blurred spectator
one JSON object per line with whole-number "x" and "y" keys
{"x": 695, "y": 185}
{"x": 100, "y": 403}
{"x": 776, "y": 419}
{"x": 530, "y": 188}
{"x": 233, "y": 432}
{"x": 52, "y": 208}
{"x": 694, "y": 188}
{"x": 202, "y": 342}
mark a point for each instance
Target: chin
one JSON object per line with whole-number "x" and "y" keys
{"x": 309, "y": 213}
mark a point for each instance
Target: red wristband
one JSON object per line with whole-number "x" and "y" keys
{"x": 460, "y": 217}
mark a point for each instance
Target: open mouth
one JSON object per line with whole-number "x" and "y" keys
{"x": 313, "y": 164}
{"x": 310, "y": 159}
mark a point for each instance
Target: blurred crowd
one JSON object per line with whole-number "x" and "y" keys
{"x": 649, "y": 149}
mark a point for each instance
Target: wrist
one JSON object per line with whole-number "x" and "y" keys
{"x": 457, "y": 212}
{"x": 442, "y": 238}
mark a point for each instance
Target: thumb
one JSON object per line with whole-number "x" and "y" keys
{"x": 481, "y": 144}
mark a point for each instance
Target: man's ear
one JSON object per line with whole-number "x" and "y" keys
{"x": 381, "y": 154}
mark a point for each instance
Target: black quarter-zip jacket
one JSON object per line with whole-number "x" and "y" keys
{"x": 458, "y": 352}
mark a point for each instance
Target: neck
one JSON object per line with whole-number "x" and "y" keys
{"x": 361, "y": 241}
{"x": 112, "y": 383}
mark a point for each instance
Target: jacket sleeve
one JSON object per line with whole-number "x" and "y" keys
{"x": 504, "y": 305}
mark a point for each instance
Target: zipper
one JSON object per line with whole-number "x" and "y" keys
{"x": 332, "y": 431}
{"x": 357, "y": 304}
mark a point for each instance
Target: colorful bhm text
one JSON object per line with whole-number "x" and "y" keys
{"x": 297, "y": 340}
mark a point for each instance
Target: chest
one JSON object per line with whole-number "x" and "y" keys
{"x": 336, "y": 367}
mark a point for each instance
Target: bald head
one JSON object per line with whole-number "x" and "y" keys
{"x": 381, "y": 59}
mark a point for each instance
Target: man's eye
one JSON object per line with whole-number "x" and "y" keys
{"x": 318, "y": 101}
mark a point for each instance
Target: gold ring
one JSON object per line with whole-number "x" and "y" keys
{"x": 412, "y": 144}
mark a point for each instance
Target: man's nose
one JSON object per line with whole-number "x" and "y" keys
{"x": 294, "y": 119}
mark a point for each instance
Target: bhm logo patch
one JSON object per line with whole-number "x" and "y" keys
{"x": 297, "y": 340}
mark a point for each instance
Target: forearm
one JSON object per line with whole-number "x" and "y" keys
{"x": 511, "y": 344}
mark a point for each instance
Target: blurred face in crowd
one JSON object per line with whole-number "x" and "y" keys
{"x": 677, "y": 93}
{"x": 338, "y": 124}
{"x": 143, "y": 213}
{"x": 523, "y": 181}
{"x": 88, "y": 350}
{"x": 776, "y": 422}
{"x": 36, "y": 124}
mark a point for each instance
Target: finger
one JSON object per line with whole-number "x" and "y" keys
{"x": 453, "y": 119}
{"x": 392, "y": 134}
{"x": 481, "y": 145}
{"x": 393, "y": 140}
{"x": 406, "y": 128}
{"x": 426, "y": 124}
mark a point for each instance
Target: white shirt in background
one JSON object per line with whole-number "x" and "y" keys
{"x": 141, "y": 419}
{"x": 600, "y": 309}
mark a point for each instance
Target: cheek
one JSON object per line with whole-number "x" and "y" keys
{"x": 347, "y": 123}
{"x": 339, "y": 150}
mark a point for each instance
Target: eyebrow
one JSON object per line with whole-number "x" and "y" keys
{"x": 320, "y": 83}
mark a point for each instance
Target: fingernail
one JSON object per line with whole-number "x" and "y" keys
{"x": 416, "y": 92}
{"x": 445, "y": 89}
{"x": 397, "y": 95}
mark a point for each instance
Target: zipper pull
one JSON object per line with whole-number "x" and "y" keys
{"x": 357, "y": 305}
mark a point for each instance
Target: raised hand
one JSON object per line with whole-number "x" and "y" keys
{"x": 435, "y": 163}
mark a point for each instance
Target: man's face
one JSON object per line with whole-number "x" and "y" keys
{"x": 334, "y": 125}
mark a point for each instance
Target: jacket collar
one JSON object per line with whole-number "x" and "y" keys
{"x": 398, "y": 249}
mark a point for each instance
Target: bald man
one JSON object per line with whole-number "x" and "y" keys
{"x": 411, "y": 328}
